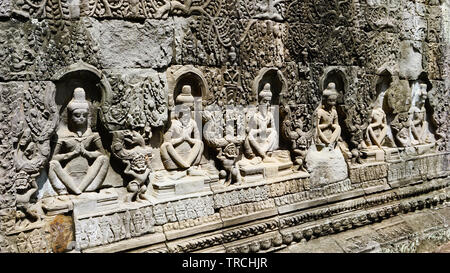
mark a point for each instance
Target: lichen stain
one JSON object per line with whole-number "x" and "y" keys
{"x": 61, "y": 230}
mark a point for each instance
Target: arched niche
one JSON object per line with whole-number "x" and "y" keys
{"x": 88, "y": 77}
{"x": 188, "y": 75}
{"x": 339, "y": 77}
{"x": 383, "y": 81}
{"x": 424, "y": 79}
{"x": 277, "y": 82}
{"x": 278, "y": 86}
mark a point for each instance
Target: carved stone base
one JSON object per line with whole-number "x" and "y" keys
{"x": 90, "y": 203}
{"x": 188, "y": 227}
{"x": 392, "y": 154}
{"x": 373, "y": 155}
{"x": 80, "y": 204}
{"x": 246, "y": 218}
{"x": 370, "y": 177}
{"x": 180, "y": 183}
{"x": 418, "y": 168}
{"x": 420, "y": 231}
{"x": 256, "y": 170}
{"x": 131, "y": 243}
{"x": 253, "y": 173}
{"x": 425, "y": 148}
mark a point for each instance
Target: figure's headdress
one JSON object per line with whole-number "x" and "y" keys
{"x": 78, "y": 101}
{"x": 266, "y": 93}
{"x": 330, "y": 90}
{"x": 185, "y": 97}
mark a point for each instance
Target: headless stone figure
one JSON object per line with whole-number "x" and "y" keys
{"x": 377, "y": 129}
{"x": 262, "y": 137}
{"x": 328, "y": 128}
{"x": 182, "y": 148}
{"x": 419, "y": 127}
{"x": 78, "y": 164}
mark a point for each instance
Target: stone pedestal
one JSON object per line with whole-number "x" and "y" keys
{"x": 96, "y": 202}
{"x": 325, "y": 166}
{"x": 417, "y": 169}
{"x": 373, "y": 155}
{"x": 85, "y": 203}
{"x": 370, "y": 177}
{"x": 425, "y": 148}
{"x": 253, "y": 173}
{"x": 393, "y": 154}
{"x": 180, "y": 183}
{"x": 255, "y": 170}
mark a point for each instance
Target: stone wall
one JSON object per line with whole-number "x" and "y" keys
{"x": 234, "y": 188}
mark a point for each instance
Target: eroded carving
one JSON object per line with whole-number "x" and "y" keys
{"x": 420, "y": 132}
{"x": 228, "y": 142}
{"x": 328, "y": 128}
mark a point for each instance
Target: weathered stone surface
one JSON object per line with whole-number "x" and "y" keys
{"x": 410, "y": 60}
{"x": 320, "y": 245}
{"x": 54, "y": 9}
{"x": 32, "y": 51}
{"x": 358, "y": 241}
{"x": 423, "y": 233}
{"x": 123, "y": 44}
{"x": 62, "y": 233}
{"x": 433, "y": 59}
{"x": 5, "y": 8}
{"x": 326, "y": 166}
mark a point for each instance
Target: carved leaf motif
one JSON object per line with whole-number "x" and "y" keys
{"x": 138, "y": 103}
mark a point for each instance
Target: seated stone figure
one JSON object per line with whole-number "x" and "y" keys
{"x": 328, "y": 128}
{"x": 79, "y": 163}
{"x": 182, "y": 147}
{"x": 401, "y": 129}
{"x": 375, "y": 139}
{"x": 420, "y": 133}
{"x": 325, "y": 160}
{"x": 377, "y": 130}
{"x": 262, "y": 138}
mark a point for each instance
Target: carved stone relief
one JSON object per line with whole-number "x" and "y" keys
{"x": 325, "y": 156}
{"x": 138, "y": 101}
{"x": 26, "y": 148}
{"x": 5, "y": 8}
{"x": 129, "y": 146}
{"x": 32, "y": 54}
{"x": 182, "y": 132}
{"x": 76, "y": 146}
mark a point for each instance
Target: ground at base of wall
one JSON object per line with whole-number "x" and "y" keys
{"x": 425, "y": 231}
